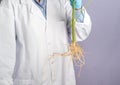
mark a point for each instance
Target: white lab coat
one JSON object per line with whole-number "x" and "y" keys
{"x": 27, "y": 40}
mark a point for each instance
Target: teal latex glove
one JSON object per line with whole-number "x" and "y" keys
{"x": 78, "y": 3}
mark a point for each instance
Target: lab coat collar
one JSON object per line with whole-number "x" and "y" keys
{"x": 35, "y": 10}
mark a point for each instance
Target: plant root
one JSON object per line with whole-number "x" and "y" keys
{"x": 75, "y": 52}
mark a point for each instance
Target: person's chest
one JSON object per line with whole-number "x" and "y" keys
{"x": 30, "y": 20}
{"x": 51, "y": 9}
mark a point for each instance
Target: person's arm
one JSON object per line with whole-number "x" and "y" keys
{"x": 7, "y": 43}
{"x": 82, "y": 28}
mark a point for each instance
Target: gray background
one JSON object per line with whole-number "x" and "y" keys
{"x": 102, "y": 47}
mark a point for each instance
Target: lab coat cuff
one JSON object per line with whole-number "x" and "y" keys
{"x": 79, "y": 15}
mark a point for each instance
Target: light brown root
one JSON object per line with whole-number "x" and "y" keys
{"x": 76, "y": 53}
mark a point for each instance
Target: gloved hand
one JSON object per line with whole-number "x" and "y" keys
{"x": 78, "y": 3}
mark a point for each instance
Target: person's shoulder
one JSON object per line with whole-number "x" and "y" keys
{"x": 0, "y": 1}
{"x": 5, "y": 3}
{"x": 22, "y": 1}
{"x": 10, "y": 3}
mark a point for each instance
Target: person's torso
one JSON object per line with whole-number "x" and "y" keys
{"x": 37, "y": 39}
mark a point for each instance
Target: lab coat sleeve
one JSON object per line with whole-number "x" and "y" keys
{"x": 82, "y": 29}
{"x": 7, "y": 44}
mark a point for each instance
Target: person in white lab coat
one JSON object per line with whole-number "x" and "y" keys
{"x": 27, "y": 39}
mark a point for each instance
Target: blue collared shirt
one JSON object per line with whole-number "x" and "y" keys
{"x": 42, "y": 5}
{"x": 79, "y": 15}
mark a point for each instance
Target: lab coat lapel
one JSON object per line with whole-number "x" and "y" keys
{"x": 35, "y": 10}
